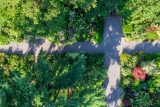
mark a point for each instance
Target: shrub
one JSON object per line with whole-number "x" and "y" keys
{"x": 157, "y": 61}
{"x": 138, "y": 74}
{"x": 149, "y": 67}
{"x": 2, "y": 98}
{"x": 142, "y": 86}
{"x": 127, "y": 28}
{"x": 126, "y": 72}
{"x": 141, "y": 100}
{"x": 128, "y": 60}
{"x": 126, "y": 82}
{"x": 124, "y": 58}
{"x": 154, "y": 83}
{"x": 151, "y": 36}
{"x": 96, "y": 37}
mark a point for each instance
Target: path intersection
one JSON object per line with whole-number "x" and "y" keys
{"x": 112, "y": 46}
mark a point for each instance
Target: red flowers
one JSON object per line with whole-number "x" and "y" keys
{"x": 138, "y": 73}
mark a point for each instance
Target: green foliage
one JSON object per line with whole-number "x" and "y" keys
{"x": 63, "y": 21}
{"x": 142, "y": 14}
{"x": 154, "y": 84}
{"x": 149, "y": 67}
{"x": 24, "y": 83}
{"x": 151, "y": 36}
{"x": 149, "y": 57}
{"x": 128, "y": 60}
{"x": 141, "y": 93}
{"x": 74, "y": 76}
{"x": 66, "y": 21}
{"x": 127, "y": 28}
{"x": 142, "y": 99}
{"x": 2, "y": 98}
{"x": 96, "y": 37}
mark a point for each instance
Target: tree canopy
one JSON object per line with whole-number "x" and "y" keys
{"x": 63, "y": 21}
{"x": 69, "y": 21}
{"x": 70, "y": 79}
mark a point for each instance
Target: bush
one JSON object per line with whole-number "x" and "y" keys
{"x": 142, "y": 100}
{"x": 126, "y": 82}
{"x": 127, "y": 28}
{"x": 149, "y": 67}
{"x": 2, "y": 98}
{"x": 126, "y": 71}
{"x": 154, "y": 83}
{"x": 138, "y": 73}
{"x": 151, "y": 36}
{"x": 128, "y": 60}
{"x": 97, "y": 37}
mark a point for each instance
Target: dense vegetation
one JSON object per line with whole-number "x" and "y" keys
{"x": 68, "y": 80}
{"x": 140, "y": 79}
{"x": 61, "y": 21}
{"x": 141, "y": 19}
{"x": 68, "y": 21}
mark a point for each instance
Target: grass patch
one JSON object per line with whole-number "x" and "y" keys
{"x": 151, "y": 36}
{"x": 127, "y": 28}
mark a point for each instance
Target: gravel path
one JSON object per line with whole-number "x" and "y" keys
{"x": 26, "y": 48}
{"x": 146, "y": 47}
{"x": 113, "y": 39}
{"x": 113, "y": 45}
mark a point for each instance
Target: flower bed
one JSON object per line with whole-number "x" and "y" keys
{"x": 140, "y": 80}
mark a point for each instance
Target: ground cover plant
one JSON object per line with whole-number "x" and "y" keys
{"x": 70, "y": 80}
{"x": 140, "y": 79}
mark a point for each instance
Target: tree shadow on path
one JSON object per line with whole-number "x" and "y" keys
{"x": 112, "y": 43}
{"x": 146, "y": 47}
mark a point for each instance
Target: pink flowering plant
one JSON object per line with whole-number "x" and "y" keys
{"x": 138, "y": 73}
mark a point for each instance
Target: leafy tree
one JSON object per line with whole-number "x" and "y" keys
{"x": 56, "y": 80}
{"x": 63, "y": 21}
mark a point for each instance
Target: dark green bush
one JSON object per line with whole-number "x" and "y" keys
{"x": 2, "y": 98}
{"x": 47, "y": 82}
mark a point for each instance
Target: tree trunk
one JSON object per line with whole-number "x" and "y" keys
{"x": 35, "y": 59}
{"x": 69, "y": 93}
